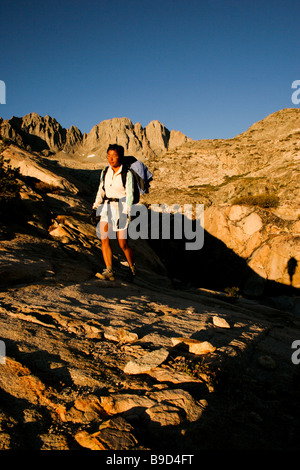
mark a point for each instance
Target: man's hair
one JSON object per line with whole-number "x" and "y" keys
{"x": 118, "y": 148}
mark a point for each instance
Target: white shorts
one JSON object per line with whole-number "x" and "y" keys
{"x": 114, "y": 215}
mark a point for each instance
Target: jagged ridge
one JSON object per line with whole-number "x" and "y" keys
{"x": 45, "y": 134}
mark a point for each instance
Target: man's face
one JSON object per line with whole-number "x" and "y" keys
{"x": 113, "y": 159}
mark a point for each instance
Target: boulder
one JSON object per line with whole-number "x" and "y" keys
{"x": 114, "y": 434}
{"x": 147, "y": 362}
{"x": 195, "y": 346}
{"x": 120, "y": 334}
{"x": 220, "y": 322}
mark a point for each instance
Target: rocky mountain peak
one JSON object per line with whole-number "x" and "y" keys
{"x": 158, "y": 135}
{"x": 38, "y": 133}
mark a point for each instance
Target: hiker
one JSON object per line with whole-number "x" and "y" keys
{"x": 115, "y": 201}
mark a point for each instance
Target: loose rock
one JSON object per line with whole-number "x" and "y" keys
{"x": 181, "y": 399}
{"x": 195, "y": 346}
{"x": 120, "y": 335}
{"x": 165, "y": 415}
{"x": 115, "y": 434}
{"x": 146, "y": 362}
{"x": 221, "y": 322}
{"x": 121, "y": 403}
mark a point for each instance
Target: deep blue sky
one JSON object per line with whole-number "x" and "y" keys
{"x": 207, "y": 68}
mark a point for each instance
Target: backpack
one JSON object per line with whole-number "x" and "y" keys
{"x": 141, "y": 176}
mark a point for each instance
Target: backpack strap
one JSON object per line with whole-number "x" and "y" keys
{"x": 103, "y": 177}
{"x": 124, "y": 171}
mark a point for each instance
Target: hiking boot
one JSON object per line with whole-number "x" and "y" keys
{"x": 107, "y": 273}
{"x": 133, "y": 270}
{"x": 131, "y": 273}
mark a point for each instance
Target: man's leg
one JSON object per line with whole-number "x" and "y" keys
{"x": 123, "y": 242}
{"x": 127, "y": 250}
{"x": 106, "y": 248}
{"x": 106, "y": 253}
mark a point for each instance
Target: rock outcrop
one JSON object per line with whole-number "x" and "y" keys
{"x": 269, "y": 244}
{"x": 116, "y": 130}
{"x": 250, "y": 188}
